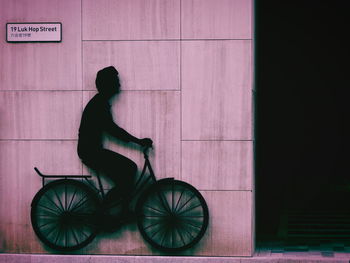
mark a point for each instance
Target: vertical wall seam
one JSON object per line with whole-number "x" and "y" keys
{"x": 82, "y": 63}
{"x": 180, "y": 79}
{"x": 253, "y": 98}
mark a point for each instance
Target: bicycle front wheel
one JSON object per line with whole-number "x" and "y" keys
{"x": 64, "y": 214}
{"x": 172, "y": 215}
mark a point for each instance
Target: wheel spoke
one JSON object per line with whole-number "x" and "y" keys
{"x": 46, "y": 224}
{"x": 155, "y": 209}
{"x": 172, "y": 197}
{"x": 158, "y": 216}
{"x": 182, "y": 239}
{"x": 65, "y": 197}
{"x": 178, "y": 201}
{"x": 79, "y": 235}
{"x": 71, "y": 200}
{"x": 188, "y": 232}
{"x": 151, "y": 225}
{"x": 48, "y": 216}
{"x": 59, "y": 200}
{"x": 80, "y": 203}
{"x": 188, "y": 222}
{"x": 82, "y": 231}
{"x": 172, "y": 237}
{"x": 163, "y": 201}
{"x": 186, "y": 202}
{"x": 51, "y": 231}
{"x": 74, "y": 235}
{"x": 58, "y": 234}
{"x": 156, "y": 232}
{"x": 50, "y": 209}
{"x": 164, "y": 236}
{"x": 65, "y": 236}
{"x": 52, "y": 202}
{"x": 189, "y": 209}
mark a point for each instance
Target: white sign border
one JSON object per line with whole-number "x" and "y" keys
{"x": 35, "y": 41}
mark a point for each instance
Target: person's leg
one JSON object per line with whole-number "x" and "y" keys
{"x": 122, "y": 171}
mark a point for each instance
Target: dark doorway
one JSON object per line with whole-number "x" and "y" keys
{"x": 302, "y": 109}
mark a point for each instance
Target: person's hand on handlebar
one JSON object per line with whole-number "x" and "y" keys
{"x": 146, "y": 142}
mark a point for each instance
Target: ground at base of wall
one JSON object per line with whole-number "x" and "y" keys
{"x": 274, "y": 257}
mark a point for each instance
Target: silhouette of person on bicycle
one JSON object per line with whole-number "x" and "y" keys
{"x": 97, "y": 119}
{"x": 68, "y": 213}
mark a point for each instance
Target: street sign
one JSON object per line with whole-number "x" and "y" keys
{"x": 33, "y": 32}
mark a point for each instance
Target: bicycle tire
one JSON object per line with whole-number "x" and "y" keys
{"x": 172, "y": 215}
{"x": 64, "y": 214}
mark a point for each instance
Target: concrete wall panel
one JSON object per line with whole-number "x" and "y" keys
{"x": 19, "y": 183}
{"x": 213, "y": 19}
{"x": 216, "y": 90}
{"x": 143, "y": 65}
{"x": 40, "y": 115}
{"x": 42, "y": 66}
{"x": 131, "y": 19}
{"x": 218, "y": 165}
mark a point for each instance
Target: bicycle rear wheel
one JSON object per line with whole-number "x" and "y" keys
{"x": 172, "y": 215}
{"x": 64, "y": 214}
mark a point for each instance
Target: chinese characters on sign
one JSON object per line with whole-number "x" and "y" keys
{"x": 33, "y": 32}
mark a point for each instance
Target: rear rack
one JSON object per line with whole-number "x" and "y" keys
{"x": 44, "y": 176}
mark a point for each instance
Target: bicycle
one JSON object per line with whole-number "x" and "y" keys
{"x": 171, "y": 215}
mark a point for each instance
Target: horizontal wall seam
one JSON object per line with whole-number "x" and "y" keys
{"x": 79, "y": 90}
{"x": 19, "y": 139}
{"x": 39, "y": 140}
{"x": 155, "y": 90}
{"x": 180, "y": 39}
{"x": 216, "y": 140}
{"x": 31, "y": 90}
{"x": 211, "y": 190}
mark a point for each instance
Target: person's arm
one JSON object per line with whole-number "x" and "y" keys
{"x": 113, "y": 129}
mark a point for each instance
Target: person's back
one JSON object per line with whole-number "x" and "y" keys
{"x": 91, "y": 127}
{"x": 96, "y": 120}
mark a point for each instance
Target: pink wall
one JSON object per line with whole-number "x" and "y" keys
{"x": 186, "y": 74}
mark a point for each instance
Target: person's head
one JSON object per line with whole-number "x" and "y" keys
{"x": 107, "y": 81}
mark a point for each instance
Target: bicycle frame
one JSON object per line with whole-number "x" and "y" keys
{"x": 141, "y": 184}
